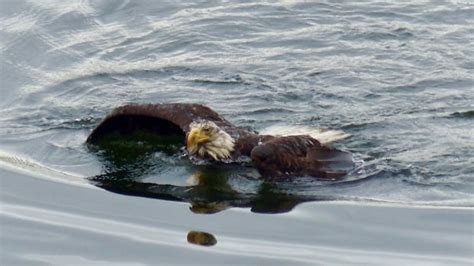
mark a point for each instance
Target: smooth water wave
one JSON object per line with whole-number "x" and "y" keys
{"x": 299, "y": 238}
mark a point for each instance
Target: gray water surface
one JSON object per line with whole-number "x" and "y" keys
{"x": 396, "y": 76}
{"x": 60, "y": 224}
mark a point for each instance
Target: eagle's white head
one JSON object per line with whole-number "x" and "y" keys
{"x": 206, "y": 138}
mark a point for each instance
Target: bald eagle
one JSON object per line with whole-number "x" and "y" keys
{"x": 210, "y": 137}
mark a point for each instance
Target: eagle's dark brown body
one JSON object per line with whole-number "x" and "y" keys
{"x": 273, "y": 156}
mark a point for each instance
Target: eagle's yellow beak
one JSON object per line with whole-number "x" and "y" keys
{"x": 195, "y": 137}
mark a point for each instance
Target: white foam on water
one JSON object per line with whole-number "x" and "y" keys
{"x": 36, "y": 169}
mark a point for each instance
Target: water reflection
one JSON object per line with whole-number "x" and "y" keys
{"x": 201, "y": 238}
{"x": 130, "y": 162}
{"x": 207, "y": 197}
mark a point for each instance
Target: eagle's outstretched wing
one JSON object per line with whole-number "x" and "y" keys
{"x": 163, "y": 119}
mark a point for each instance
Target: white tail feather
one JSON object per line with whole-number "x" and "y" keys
{"x": 325, "y": 136}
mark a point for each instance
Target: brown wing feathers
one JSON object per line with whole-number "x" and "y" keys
{"x": 300, "y": 156}
{"x": 164, "y": 119}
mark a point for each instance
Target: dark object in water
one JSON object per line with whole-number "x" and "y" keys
{"x": 209, "y": 136}
{"x": 201, "y": 238}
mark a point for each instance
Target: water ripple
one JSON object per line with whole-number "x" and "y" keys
{"x": 387, "y": 73}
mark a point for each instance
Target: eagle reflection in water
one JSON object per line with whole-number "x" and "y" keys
{"x": 127, "y": 159}
{"x": 209, "y": 194}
